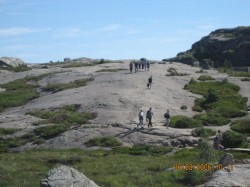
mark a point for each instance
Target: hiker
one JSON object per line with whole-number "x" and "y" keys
{"x": 142, "y": 65}
{"x": 148, "y": 65}
{"x": 218, "y": 141}
{"x": 150, "y": 81}
{"x": 149, "y": 117}
{"x": 140, "y": 119}
{"x": 145, "y": 65}
{"x": 131, "y": 67}
{"x": 167, "y": 116}
{"x": 139, "y": 63}
{"x": 136, "y": 66}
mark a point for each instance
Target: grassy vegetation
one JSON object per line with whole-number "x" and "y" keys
{"x": 64, "y": 86}
{"x": 173, "y": 72}
{"x": 233, "y": 73}
{"x": 111, "y": 70}
{"x": 245, "y": 79}
{"x": 203, "y": 132}
{"x": 205, "y": 78}
{"x": 18, "y": 92}
{"x": 120, "y": 167}
{"x": 59, "y": 121}
{"x": 105, "y": 141}
{"x": 20, "y": 68}
{"x": 241, "y": 126}
{"x": 221, "y": 101}
{"x": 233, "y": 139}
{"x": 4, "y": 131}
{"x": 184, "y": 122}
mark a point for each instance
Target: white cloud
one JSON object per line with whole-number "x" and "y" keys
{"x": 19, "y": 31}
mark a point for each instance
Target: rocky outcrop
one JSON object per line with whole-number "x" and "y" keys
{"x": 65, "y": 176}
{"x": 227, "y": 159}
{"x": 222, "y": 47}
{"x": 236, "y": 175}
{"x": 11, "y": 62}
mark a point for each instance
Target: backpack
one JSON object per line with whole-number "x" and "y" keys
{"x": 166, "y": 115}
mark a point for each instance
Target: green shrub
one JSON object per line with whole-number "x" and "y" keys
{"x": 205, "y": 78}
{"x": 203, "y": 132}
{"x": 106, "y": 141}
{"x": 64, "y": 86}
{"x": 5, "y": 131}
{"x": 241, "y": 126}
{"x": 233, "y": 139}
{"x": 184, "y": 122}
{"x": 183, "y": 107}
{"x": 212, "y": 118}
{"x": 189, "y": 178}
{"x": 173, "y": 72}
{"x": 50, "y": 131}
{"x": 245, "y": 79}
{"x": 18, "y": 92}
{"x": 66, "y": 115}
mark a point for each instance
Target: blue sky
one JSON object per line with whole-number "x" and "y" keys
{"x": 40, "y": 31}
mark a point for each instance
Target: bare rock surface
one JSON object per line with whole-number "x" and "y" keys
{"x": 65, "y": 176}
{"x": 239, "y": 176}
{"x": 10, "y": 61}
{"x": 116, "y": 97}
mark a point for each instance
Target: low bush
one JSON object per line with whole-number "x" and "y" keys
{"x": 64, "y": 86}
{"x": 5, "y": 131}
{"x": 233, "y": 139}
{"x": 205, "y": 78}
{"x": 143, "y": 150}
{"x": 241, "y": 126}
{"x": 50, "y": 131}
{"x": 203, "y": 132}
{"x": 173, "y": 72}
{"x": 212, "y": 118}
{"x": 183, "y": 107}
{"x": 106, "y": 141}
{"x": 18, "y": 92}
{"x": 66, "y": 115}
{"x": 184, "y": 122}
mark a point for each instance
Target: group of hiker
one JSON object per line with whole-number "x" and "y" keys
{"x": 141, "y": 64}
{"x": 149, "y": 116}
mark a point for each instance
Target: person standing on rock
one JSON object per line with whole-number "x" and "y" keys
{"x": 218, "y": 141}
{"x": 167, "y": 116}
{"x": 148, "y": 63}
{"x": 140, "y": 119}
{"x": 131, "y": 67}
{"x": 149, "y": 117}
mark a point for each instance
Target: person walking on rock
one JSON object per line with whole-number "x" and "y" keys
{"x": 150, "y": 80}
{"x": 148, "y": 63}
{"x": 131, "y": 67}
{"x": 140, "y": 119}
{"x": 149, "y": 117}
{"x": 136, "y": 66}
{"x": 167, "y": 116}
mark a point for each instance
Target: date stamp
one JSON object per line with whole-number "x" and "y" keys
{"x": 201, "y": 167}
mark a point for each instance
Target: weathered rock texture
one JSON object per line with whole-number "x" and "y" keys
{"x": 64, "y": 176}
{"x": 231, "y": 45}
{"x": 238, "y": 176}
{"x": 10, "y": 61}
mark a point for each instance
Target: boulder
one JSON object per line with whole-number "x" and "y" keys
{"x": 10, "y": 61}
{"x": 227, "y": 159}
{"x": 65, "y": 176}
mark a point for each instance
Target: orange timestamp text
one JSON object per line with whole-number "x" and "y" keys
{"x": 204, "y": 167}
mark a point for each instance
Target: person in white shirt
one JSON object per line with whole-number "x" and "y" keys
{"x": 140, "y": 119}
